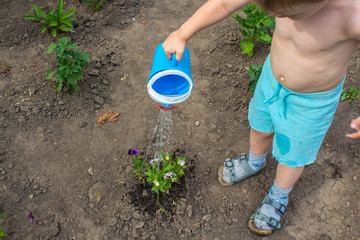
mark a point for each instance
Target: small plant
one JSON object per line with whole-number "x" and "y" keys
{"x": 161, "y": 173}
{"x": 2, "y": 233}
{"x": 350, "y": 94}
{"x": 95, "y": 4}
{"x": 56, "y": 21}
{"x": 254, "y": 74}
{"x": 5, "y": 68}
{"x": 70, "y": 64}
{"x": 255, "y": 27}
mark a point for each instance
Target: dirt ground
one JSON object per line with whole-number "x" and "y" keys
{"x": 72, "y": 173}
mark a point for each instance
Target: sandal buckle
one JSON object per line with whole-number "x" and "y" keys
{"x": 229, "y": 164}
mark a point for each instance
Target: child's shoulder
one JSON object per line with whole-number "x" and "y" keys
{"x": 350, "y": 9}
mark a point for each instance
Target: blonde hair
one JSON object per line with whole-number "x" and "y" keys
{"x": 275, "y": 5}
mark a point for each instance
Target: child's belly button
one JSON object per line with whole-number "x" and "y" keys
{"x": 282, "y": 79}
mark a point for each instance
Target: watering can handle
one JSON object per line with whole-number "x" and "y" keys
{"x": 173, "y": 60}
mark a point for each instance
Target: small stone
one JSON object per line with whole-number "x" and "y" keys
{"x": 61, "y": 103}
{"x": 139, "y": 225}
{"x": 197, "y": 123}
{"x": 113, "y": 221}
{"x": 207, "y": 227}
{"x": 94, "y": 72}
{"x": 99, "y": 100}
{"x": 35, "y": 110}
{"x": 91, "y": 205}
{"x": 10, "y": 165}
{"x": 91, "y": 171}
{"x": 82, "y": 124}
{"x": 206, "y": 218}
{"x": 189, "y": 211}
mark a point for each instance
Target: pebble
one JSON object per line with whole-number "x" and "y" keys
{"x": 82, "y": 124}
{"x": 91, "y": 171}
{"x": 197, "y": 123}
{"x": 10, "y": 165}
{"x": 207, "y": 227}
{"x": 189, "y": 211}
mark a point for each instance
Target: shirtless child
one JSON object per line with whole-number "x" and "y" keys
{"x": 297, "y": 92}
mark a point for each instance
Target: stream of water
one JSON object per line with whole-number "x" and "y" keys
{"x": 162, "y": 136}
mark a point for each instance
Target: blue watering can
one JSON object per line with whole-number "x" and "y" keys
{"x": 170, "y": 81}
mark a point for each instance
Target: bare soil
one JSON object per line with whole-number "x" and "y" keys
{"x": 73, "y": 174}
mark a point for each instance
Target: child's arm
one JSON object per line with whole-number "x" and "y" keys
{"x": 355, "y": 124}
{"x": 208, "y": 14}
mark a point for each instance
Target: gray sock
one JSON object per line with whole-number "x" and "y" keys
{"x": 258, "y": 160}
{"x": 277, "y": 194}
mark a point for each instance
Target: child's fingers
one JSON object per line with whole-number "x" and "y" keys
{"x": 179, "y": 56}
{"x": 353, "y": 135}
{"x": 168, "y": 55}
{"x": 355, "y": 123}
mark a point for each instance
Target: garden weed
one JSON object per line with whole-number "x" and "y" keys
{"x": 2, "y": 233}
{"x": 350, "y": 94}
{"x": 56, "y": 21}
{"x": 254, "y": 73}
{"x": 255, "y": 27}
{"x": 70, "y": 64}
{"x": 95, "y": 4}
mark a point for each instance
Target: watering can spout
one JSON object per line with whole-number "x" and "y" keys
{"x": 165, "y": 107}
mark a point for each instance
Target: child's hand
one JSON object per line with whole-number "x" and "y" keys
{"x": 355, "y": 124}
{"x": 174, "y": 43}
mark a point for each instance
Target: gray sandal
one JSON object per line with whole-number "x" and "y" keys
{"x": 229, "y": 164}
{"x": 272, "y": 223}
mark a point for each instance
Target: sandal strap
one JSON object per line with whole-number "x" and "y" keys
{"x": 280, "y": 210}
{"x": 229, "y": 164}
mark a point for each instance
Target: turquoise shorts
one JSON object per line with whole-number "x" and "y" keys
{"x": 299, "y": 120}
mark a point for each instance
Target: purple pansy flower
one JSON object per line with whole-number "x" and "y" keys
{"x": 169, "y": 175}
{"x": 132, "y": 151}
{"x": 31, "y": 218}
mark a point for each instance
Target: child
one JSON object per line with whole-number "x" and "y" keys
{"x": 297, "y": 93}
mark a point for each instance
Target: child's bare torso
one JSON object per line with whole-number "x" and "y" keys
{"x": 312, "y": 55}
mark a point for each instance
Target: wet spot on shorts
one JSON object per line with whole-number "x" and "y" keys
{"x": 283, "y": 143}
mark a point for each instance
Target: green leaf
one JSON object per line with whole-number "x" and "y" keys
{"x": 42, "y": 12}
{"x": 63, "y": 41}
{"x": 68, "y": 14}
{"x": 76, "y": 89}
{"x": 53, "y": 24}
{"x": 49, "y": 74}
{"x": 265, "y": 38}
{"x": 37, "y": 11}
{"x": 83, "y": 56}
{"x": 72, "y": 80}
{"x": 61, "y": 51}
{"x": 68, "y": 23}
{"x": 58, "y": 86}
{"x": 71, "y": 19}
{"x": 31, "y": 17}
{"x": 51, "y": 47}
{"x": 43, "y": 29}
{"x": 247, "y": 47}
{"x": 64, "y": 28}
{"x": 60, "y": 8}
{"x": 52, "y": 12}
{"x": 72, "y": 45}
{"x": 53, "y": 32}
